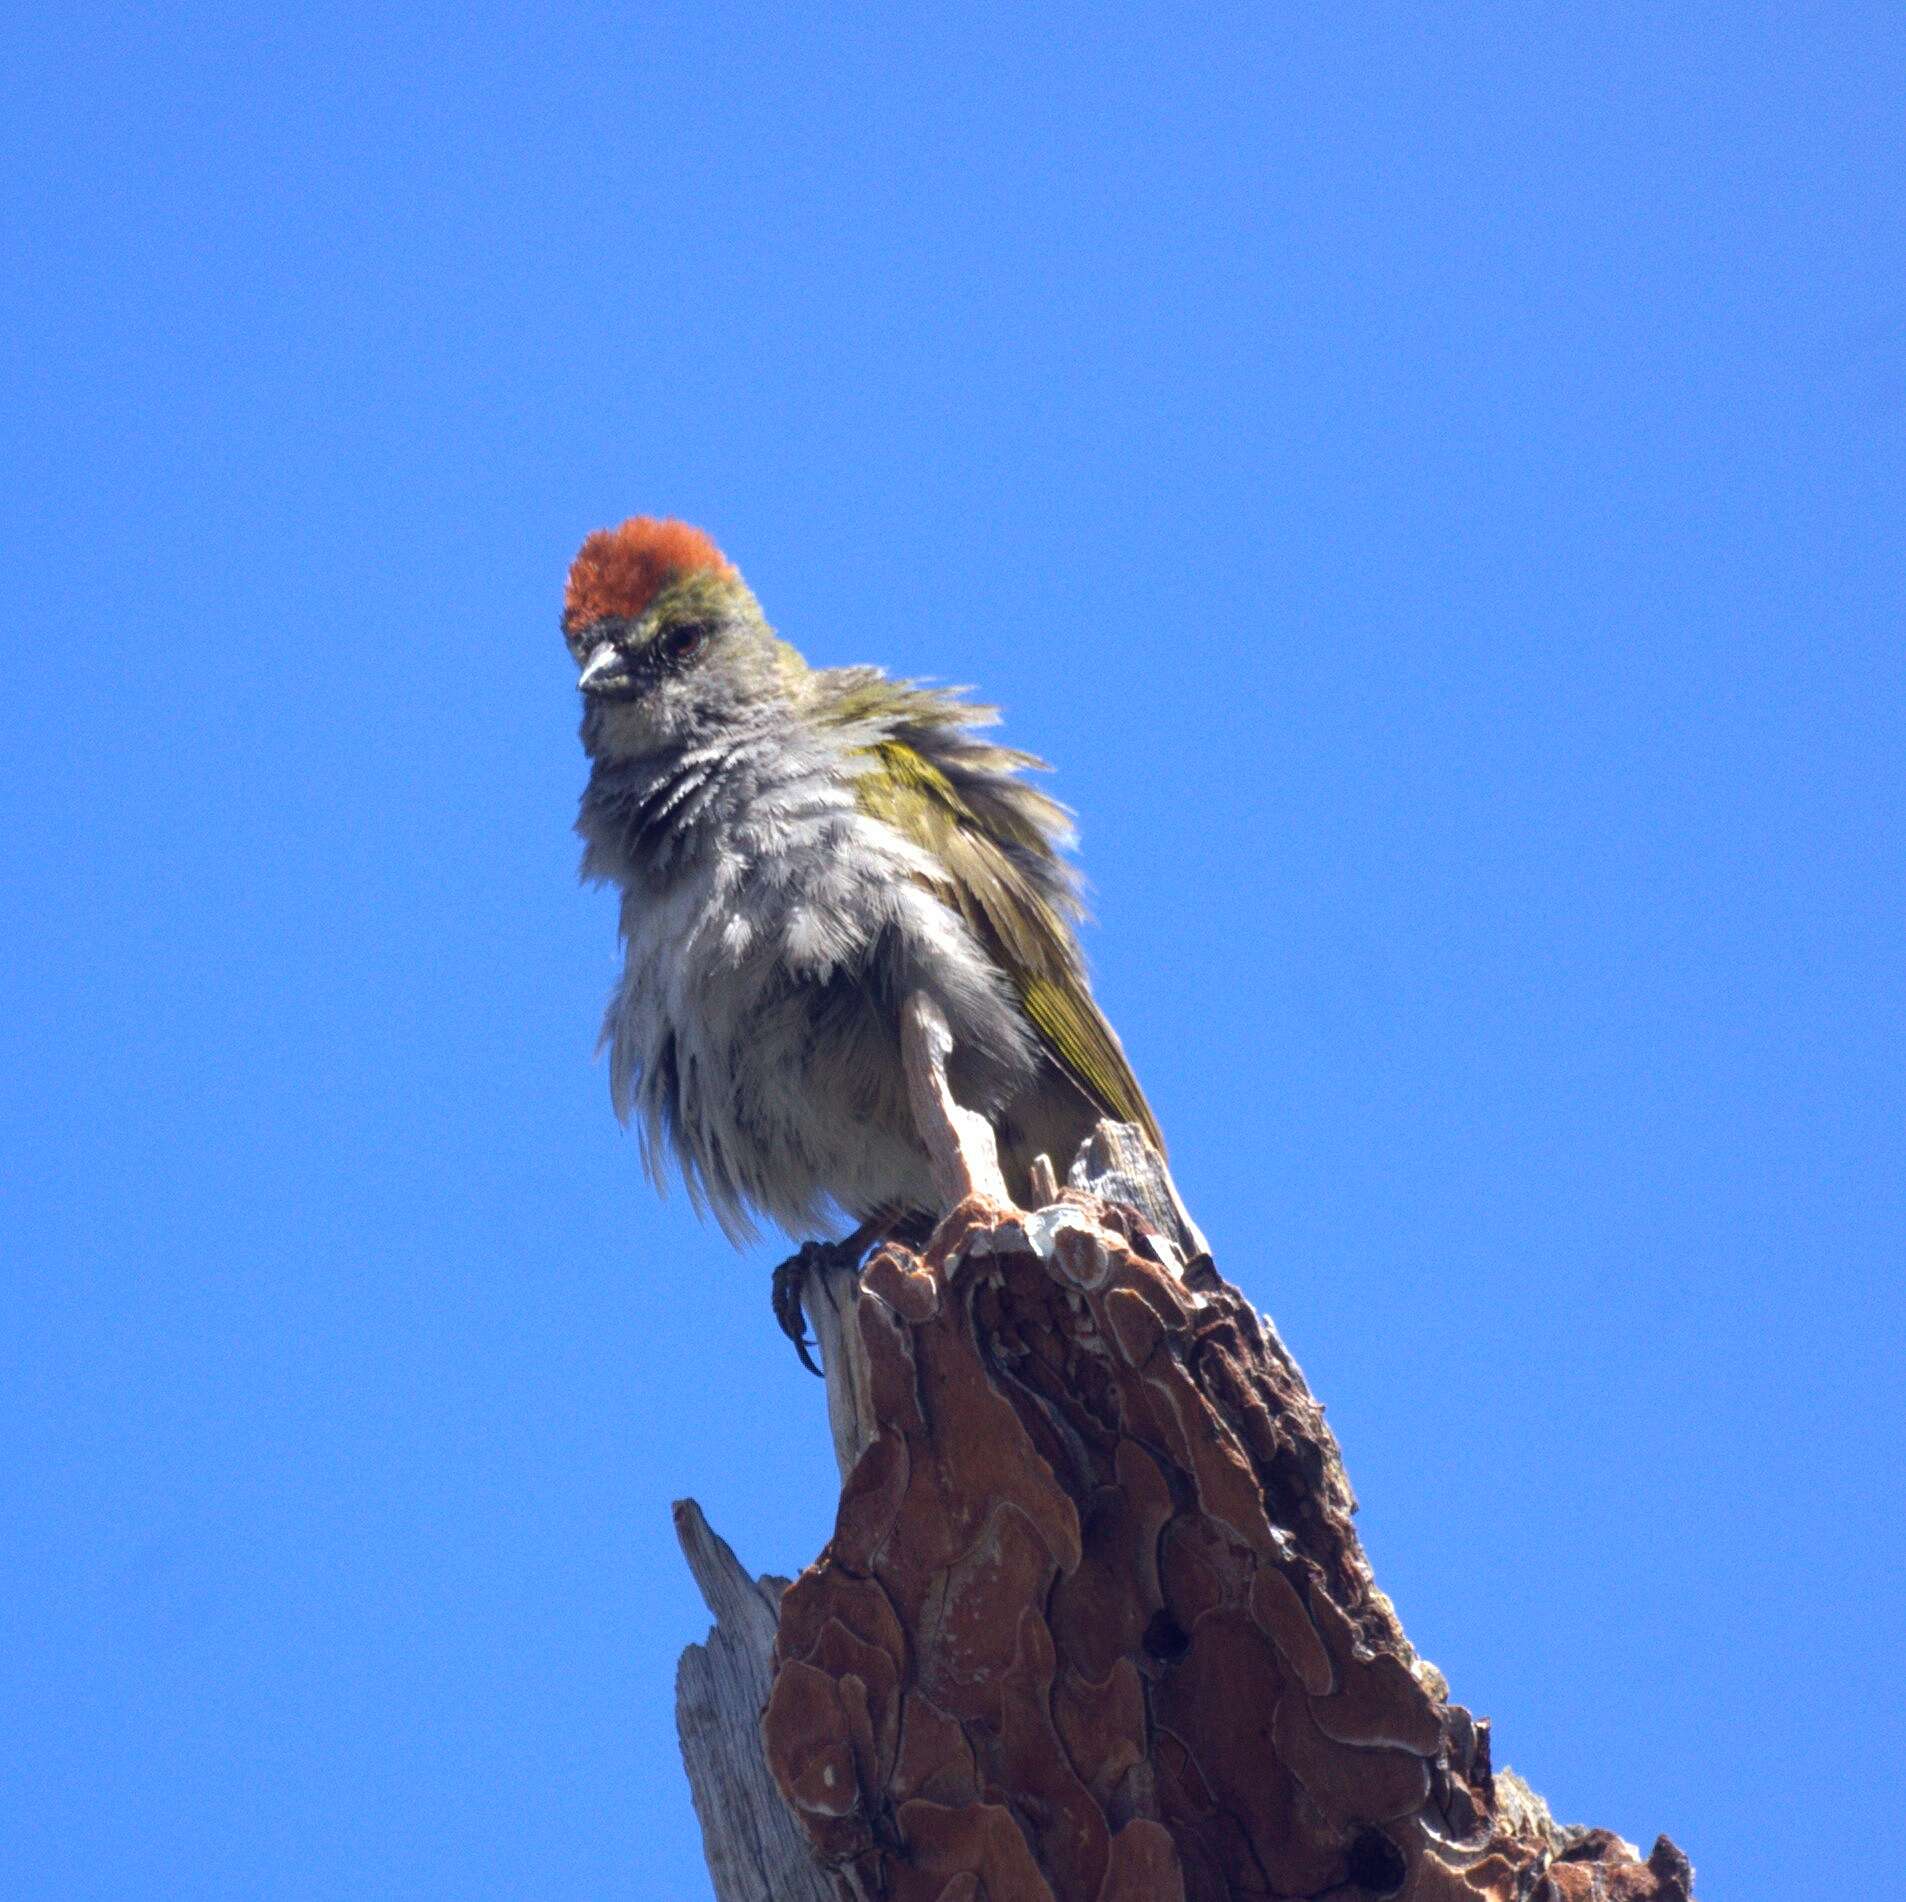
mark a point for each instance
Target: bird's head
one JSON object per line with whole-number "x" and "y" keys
{"x": 671, "y": 645}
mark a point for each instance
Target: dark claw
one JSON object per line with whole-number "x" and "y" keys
{"x": 789, "y": 1279}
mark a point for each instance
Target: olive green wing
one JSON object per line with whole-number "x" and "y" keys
{"x": 961, "y": 800}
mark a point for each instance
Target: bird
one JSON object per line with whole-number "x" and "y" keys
{"x": 798, "y": 850}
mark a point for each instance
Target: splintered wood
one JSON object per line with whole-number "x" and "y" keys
{"x": 755, "y": 1850}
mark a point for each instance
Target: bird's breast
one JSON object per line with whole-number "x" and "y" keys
{"x": 754, "y": 1033}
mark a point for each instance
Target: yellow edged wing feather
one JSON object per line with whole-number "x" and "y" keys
{"x": 959, "y": 799}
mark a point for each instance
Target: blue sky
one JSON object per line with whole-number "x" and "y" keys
{"x": 1431, "y": 480}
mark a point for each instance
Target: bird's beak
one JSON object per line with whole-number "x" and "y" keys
{"x": 604, "y": 670}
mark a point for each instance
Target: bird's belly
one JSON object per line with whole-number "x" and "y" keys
{"x": 777, "y": 1090}
{"x": 765, "y": 1057}
{"x": 817, "y": 1097}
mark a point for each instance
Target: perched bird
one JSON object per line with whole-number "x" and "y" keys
{"x": 797, "y": 850}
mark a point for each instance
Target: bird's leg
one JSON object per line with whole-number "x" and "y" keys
{"x": 960, "y": 1146}
{"x": 1045, "y": 1181}
{"x": 960, "y": 1143}
{"x": 791, "y": 1278}
{"x": 913, "y": 1230}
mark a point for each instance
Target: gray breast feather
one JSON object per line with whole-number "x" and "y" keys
{"x": 771, "y": 929}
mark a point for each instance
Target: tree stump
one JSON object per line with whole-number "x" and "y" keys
{"x": 1095, "y": 1624}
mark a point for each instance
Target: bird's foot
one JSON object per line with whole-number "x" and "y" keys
{"x": 791, "y": 1278}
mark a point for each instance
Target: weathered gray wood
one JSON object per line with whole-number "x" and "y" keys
{"x": 755, "y": 1852}
{"x": 1118, "y": 1164}
{"x": 829, "y": 1298}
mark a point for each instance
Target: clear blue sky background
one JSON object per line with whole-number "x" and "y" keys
{"x": 1431, "y": 479}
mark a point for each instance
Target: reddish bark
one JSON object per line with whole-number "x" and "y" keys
{"x": 1095, "y": 1626}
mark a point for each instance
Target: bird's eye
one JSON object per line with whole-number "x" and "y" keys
{"x": 680, "y": 642}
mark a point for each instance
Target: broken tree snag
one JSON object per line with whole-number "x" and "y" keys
{"x": 1095, "y": 1625}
